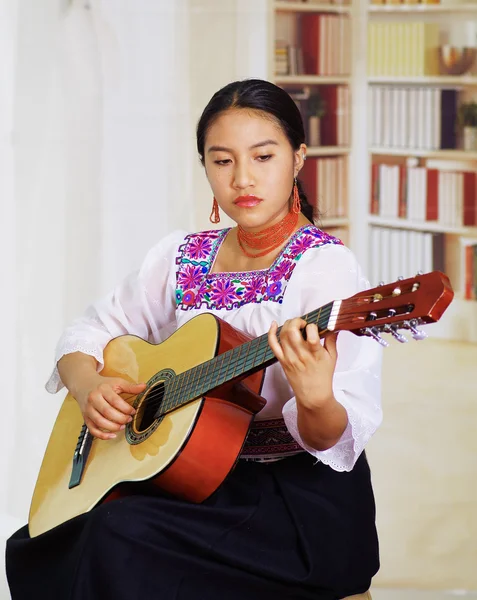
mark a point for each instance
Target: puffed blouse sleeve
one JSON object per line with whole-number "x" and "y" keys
{"x": 323, "y": 274}
{"x": 143, "y": 304}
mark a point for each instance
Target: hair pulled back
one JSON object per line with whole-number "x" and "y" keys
{"x": 257, "y": 94}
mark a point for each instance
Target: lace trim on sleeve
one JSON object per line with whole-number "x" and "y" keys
{"x": 344, "y": 454}
{"x": 54, "y": 383}
{"x": 71, "y": 342}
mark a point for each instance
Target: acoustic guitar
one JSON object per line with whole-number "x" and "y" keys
{"x": 203, "y": 391}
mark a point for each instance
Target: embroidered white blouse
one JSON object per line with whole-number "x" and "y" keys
{"x": 174, "y": 284}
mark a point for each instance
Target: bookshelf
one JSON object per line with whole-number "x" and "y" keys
{"x": 318, "y": 76}
{"x": 296, "y": 7}
{"x": 421, "y": 226}
{"x": 310, "y": 80}
{"x": 440, "y": 80}
{"x": 405, "y": 229}
{"x": 425, "y": 179}
{"x": 456, "y": 155}
{"x": 455, "y": 7}
{"x": 327, "y": 151}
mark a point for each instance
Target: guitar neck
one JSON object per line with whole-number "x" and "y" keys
{"x": 241, "y": 361}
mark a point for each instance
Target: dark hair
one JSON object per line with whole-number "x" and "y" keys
{"x": 257, "y": 94}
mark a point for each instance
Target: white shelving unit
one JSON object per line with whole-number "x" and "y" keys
{"x": 457, "y": 7}
{"x": 310, "y": 79}
{"x": 327, "y": 151}
{"x": 296, "y": 7}
{"x": 452, "y": 155}
{"x": 421, "y": 226}
{"x": 460, "y": 321}
{"x": 361, "y": 155}
{"x": 300, "y": 9}
{"x": 454, "y": 81}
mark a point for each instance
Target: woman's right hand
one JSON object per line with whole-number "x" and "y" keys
{"x": 104, "y": 411}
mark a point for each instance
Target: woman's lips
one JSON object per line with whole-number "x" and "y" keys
{"x": 247, "y": 201}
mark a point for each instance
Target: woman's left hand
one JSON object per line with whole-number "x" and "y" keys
{"x": 308, "y": 365}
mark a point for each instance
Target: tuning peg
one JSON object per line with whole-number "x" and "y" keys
{"x": 393, "y": 330}
{"x": 419, "y": 273}
{"x": 416, "y": 333}
{"x": 398, "y": 336}
{"x": 400, "y": 278}
{"x": 374, "y": 333}
{"x": 381, "y": 283}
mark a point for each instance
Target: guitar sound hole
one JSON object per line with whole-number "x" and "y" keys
{"x": 148, "y": 407}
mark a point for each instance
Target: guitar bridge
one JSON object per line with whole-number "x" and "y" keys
{"x": 80, "y": 456}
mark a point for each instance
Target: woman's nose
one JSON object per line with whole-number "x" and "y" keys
{"x": 243, "y": 176}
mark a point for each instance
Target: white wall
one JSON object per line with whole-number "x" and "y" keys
{"x": 96, "y": 102}
{"x": 8, "y": 20}
{"x": 228, "y": 41}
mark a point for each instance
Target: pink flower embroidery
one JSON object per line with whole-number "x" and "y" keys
{"x": 199, "y": 248}
{"x": 281, "y": 270}
{"x": 223, "y": 293}
{"x": 301, "y": 244}
{"x": 252, "y": 288}
{"x": 190, "y": 277}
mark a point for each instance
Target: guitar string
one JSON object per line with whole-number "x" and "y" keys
{"x": 224, "y": 362}
{"x": 259, "y": 344}
{"x": 170, "y": 403}
{"x": 175, "y": 390}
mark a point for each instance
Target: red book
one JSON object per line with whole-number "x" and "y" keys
{"x": 469, "y": 272}
{"x": 310, "y": 42}
{"x": 470, "y": 199}
{"x": 374, "y": 200}
{"x": 329, "y": 122}
{"x": 432, "y": 200}
{"x": 402, "y": 202}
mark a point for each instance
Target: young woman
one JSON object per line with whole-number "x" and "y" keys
{"x": 296, "y": 518}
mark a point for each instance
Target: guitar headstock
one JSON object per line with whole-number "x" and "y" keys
{"x": 404, "y": 304}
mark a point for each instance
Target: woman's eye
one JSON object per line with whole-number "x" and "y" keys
{"x": 225, "y": 161}
{"x": 264, "y": 157}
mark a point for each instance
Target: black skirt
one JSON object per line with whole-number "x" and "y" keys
{"x": 293, "y": 529}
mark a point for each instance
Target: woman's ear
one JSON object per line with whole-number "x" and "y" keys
{"x": 300, "y": 157}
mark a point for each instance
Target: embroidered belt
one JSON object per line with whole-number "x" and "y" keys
{"x": 269, "y": 439}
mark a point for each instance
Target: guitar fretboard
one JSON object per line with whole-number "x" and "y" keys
{"x": 244, "y": 359}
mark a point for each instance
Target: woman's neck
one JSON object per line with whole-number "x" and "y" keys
{"x": 231, "y": 257}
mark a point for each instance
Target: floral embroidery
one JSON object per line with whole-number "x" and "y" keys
{"x": 224, "y": 292}
{"x": 188, "y": 298}
{"x": 252, "y": 288}
{"x": 190, "y": 277}
{"x": 196, "y": 286}
{"x": 274, "y": 288}
{"x": 280, "y": 271}
{"x": 200, "y": 247}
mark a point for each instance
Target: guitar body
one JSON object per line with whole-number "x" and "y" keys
{"x": 188, "y": 452}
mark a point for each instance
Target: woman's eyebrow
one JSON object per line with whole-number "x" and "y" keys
{"x": 265, "y": 143}
{"x": 257, "y": 145}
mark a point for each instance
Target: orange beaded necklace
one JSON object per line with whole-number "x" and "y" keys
{"x": 272, "y": 237}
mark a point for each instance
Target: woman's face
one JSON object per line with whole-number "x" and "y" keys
{"x": 250, "y": 166}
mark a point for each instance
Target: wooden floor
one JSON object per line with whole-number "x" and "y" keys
{"x": 382, "y": 594}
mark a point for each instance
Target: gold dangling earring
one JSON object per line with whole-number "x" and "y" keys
{"x": 296, "y": 206}
{"x": 215, "y": 215}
